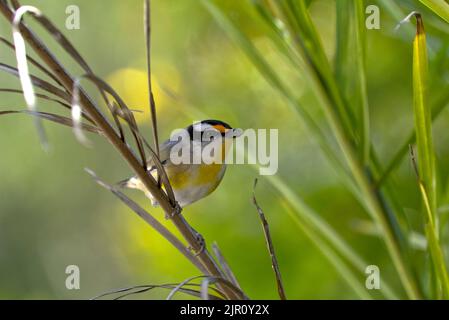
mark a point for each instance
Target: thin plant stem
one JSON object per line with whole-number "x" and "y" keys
{"x": 270, "y": 246}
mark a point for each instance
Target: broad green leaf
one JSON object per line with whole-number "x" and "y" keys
{"x": 422, "y": 114}
{"x": 426, "y": 154}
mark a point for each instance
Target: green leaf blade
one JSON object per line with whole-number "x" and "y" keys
{"x": 439, "y": 7}
{"x": 426, "y": 155}
{"x": 422, "y": 114}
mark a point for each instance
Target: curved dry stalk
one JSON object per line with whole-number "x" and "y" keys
{"x": 33, "y": 62}
{"x": 76, "y": 117}
{"x": 44, "y": 85}
{"x": 22, "y": 67}
{"x": 211, "y": 279}
{"x": 38, "y": 82}
{"x": 160, "y": 169}
{"x": 191, "y": 292}
{"x": 145, "y": 288}
{"x": 205, "y": 288}
{"x": 54, "y": 118}
{"x": 69, "y": 48}
{"x": 75, "y": 102}
{"x": 127, "y": 114}
{"x": 207, "y": 281}
{"x": 180, "y": 285}
{"x": 38, "y": 95}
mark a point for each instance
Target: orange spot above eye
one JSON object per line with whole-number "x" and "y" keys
{"x": 220, "y": 128}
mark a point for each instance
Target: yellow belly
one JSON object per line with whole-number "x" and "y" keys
{"x": 194, "y": 175}
{"x": 195, "y": 181}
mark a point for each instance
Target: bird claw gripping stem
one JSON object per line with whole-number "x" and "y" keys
{"x": 176, "y": 212}
{"x": 202, "y": 242}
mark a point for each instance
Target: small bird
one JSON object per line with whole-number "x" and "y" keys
{"x": 192, "y": 181}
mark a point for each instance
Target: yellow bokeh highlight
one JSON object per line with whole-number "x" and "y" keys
{"x": 132, "y": 86}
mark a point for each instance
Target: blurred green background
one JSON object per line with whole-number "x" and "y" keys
{"x": 53, "y": 215}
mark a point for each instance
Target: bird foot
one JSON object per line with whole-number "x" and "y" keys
{"x": 200, "y": 240}
{"x": 176, "y": 212}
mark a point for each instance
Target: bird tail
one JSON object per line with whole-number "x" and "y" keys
{"x": 124, "y": 183}
{"x": 134, "y": 183}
